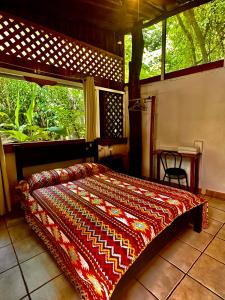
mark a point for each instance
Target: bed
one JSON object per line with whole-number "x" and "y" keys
{"x": 96, "y": 222}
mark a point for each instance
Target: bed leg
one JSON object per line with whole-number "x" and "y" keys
{"x": 198, "y": 218}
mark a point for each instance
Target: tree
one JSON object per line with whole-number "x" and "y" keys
{"x": 196, "y": 36}
{"x": 29, "y": 112}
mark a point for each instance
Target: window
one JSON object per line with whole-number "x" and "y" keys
{"x": 151, "y": 62}
{"x": 193, "y": 37}
{"x": 127, "y": 54}
{"x": 31, "y": 113}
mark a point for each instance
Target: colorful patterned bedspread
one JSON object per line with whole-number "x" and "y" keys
{"x": 101, "y": 220}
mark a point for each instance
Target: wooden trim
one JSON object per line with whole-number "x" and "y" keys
{"x": 109, "y": 142}
{"x": 196, "y": 69}
{"x": 9, "y": 148}
{"x": 150, "y": 79}
{"x": 215, "y": 194}
{"x": 27, "y": 155}
{"x": 187, "y": 71}
{"x": 54, "y": 73}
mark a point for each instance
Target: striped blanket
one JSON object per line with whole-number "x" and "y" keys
{"x": 96, "y": 222}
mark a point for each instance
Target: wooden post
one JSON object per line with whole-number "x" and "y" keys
{"x": 134, "y": 92}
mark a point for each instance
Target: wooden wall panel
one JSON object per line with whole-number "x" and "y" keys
{"x": 98, "y": 37}
{"x": 39, "y": 49}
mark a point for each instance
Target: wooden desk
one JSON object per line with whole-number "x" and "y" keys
{"x": 194, "y": 168}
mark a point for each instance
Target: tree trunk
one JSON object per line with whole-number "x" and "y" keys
{"x": 134, "y": 92}
{"x": 189, "y": 37}
{"x": 191, "y": 17}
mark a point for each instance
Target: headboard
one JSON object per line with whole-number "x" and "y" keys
{"x": 46, "y": 152}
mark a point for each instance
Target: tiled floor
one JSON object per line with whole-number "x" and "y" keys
{"x": 192, "y": 266}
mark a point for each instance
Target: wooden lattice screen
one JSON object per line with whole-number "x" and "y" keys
{"x": 31, "y": 46}
{"x": 111, "y": 114}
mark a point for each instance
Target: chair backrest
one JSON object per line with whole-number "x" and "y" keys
{"x": 170, "y": 159}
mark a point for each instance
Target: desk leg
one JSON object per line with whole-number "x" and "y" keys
{"x": 196, "y": 191}
{"x": 192, "y": 176}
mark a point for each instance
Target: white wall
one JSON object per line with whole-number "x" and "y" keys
{"x": 192, "y": 108}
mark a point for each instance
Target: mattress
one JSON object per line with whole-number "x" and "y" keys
{"x": 97, "y": 222}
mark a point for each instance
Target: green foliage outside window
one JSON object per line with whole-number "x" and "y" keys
{"x": 152, "y": 51}
{"x": 127, "y": 54}
{"x": 194, "y": 37}
{"x": 31, "y": 113}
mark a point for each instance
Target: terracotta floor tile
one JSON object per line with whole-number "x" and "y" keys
{"x": 57, "y": 289}
{"x": 216, "y": 249}
{"x": 133, "y": 290}
{"x": 39, "y": 270}
{"x": 15, "y": 218}
{"x": 28, "y": 247}
{"x": 210, "y": 273}
{"x": 214, "y": 226}
{"x": 7, "y": 258}
{"x": 19, "y": 232}
{"x": 12, "y": 285}
{"x": 217, "y": 203}
{"x": 160, "y": 277}
{"x": 221, "y": 233}
{"x": 180, "y": 254}
{"x": 189, "y": 289}
{"x": 217, "y": 214}
{"x": 4, "y": 237}
{"x": 197, "y": 240}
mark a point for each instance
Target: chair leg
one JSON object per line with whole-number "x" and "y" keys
{"x": 169, "y": 180}
{"x": 179, "y": 182}
{"x": 164, "y": 177}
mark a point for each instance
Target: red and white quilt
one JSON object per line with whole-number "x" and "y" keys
{"x": 96, "y": 222}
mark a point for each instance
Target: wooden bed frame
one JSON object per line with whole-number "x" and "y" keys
{"x": 47, "y": 153}
{"x": 50, "y": 152}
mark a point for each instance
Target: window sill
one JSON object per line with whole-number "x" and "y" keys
{"x": 187, "y": 71}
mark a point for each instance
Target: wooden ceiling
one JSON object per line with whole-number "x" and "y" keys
{"x": 114, "y": 15}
